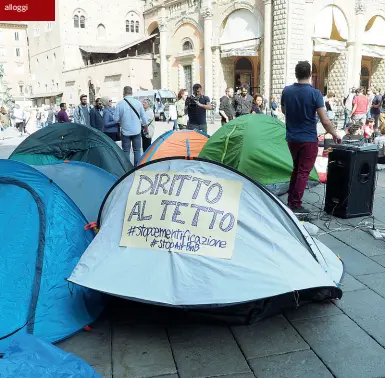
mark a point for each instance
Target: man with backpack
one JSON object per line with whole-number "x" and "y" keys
{"x": 130, "y": 114}
{"x": 82, "y": 112}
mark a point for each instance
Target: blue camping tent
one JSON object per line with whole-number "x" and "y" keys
{"x": 85, "y": 184}
{"x": 43, "y": 238}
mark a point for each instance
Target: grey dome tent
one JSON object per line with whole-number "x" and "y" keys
{"x": 197, "y": 234}
{"x": 75, "y": 142}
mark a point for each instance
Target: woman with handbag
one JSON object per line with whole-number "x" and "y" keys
{"x": 149, "y": 129}
{"x": 111, "y": 128}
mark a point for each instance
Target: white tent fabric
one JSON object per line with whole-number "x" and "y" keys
{"x": 242, "y": 25}
{"x": 324, "y": 24}
{"x": 270, "y": 257}
{"x": 376, "y": 34}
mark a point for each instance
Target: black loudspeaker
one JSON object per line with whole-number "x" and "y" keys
{"x": 351, "y": 181}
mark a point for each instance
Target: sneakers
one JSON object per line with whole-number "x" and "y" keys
{"x": 301, "y": 211}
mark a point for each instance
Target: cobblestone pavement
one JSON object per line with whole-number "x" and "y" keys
{"x": 344, "y": 339}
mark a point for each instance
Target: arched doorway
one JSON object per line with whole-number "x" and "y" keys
{"x": 243, "y": 74}
{"x": 239, "y": 42}
{"x": 330, "y": 36}
{"x": 365, "y": 78}
{"x": 326, "y": 81}
{"x": 314, "y": 75}
{"x": 91, "y": 92}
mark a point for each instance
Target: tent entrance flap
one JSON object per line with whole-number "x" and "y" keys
{"x": 36, "y": 280}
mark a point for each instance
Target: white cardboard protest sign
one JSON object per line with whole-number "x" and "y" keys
{"x": 182, "y": 212}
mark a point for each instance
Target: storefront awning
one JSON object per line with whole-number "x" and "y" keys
{"x": 331, "y": 24}
{"x": 241, "y": 34}
{"x": 115, "y": 49}
{"x": 242, "y": 48}
{"x": 47, "y": 95}
{"x": 328, "y": 45}
{"x": 373, "y": 51}
{"x": 375, "y": 32}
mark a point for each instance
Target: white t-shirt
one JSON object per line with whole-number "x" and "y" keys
{"x": 172, "y": 112}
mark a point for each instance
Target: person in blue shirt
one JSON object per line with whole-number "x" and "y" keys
{"x": 130, "y": 114}
{"x": 300, "y": 103}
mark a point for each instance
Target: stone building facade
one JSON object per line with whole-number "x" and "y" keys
{"x": 97, "y": 48}
{"x": 14, "y": 60}
{"x": 93, "y": 47}
{"x": 222, "y": 43}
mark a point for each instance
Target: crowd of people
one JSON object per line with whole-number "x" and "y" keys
{"x": 133, "y": 122}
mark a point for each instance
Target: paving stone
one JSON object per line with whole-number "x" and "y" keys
{"x": 268, "y": 337}
{"x": 313, "y": 310}
{"x": 242, "y": 375}
{"x": 367, "y": 309}
{"x": 379, "y": 259}
{"x": 141, "y": 351}
{"x": 374, "y": 281}
{"x": 290, "y": 365}
{"x": 331, "y": 242}
{"x": 205, "y": 351}
{"x": 93, "y": 347}
{"x": 349, "y": 283}
{"x": 357, "y": 264}
{"x": 104, "y": 370}
{"x": 343, "y": 346}
{"x": 361, "y": 241}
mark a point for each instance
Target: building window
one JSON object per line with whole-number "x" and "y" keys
{"x": 20, "y": 68}
{"x": 16, "y": 36}
{"x": 2, "y": 51}
{"x": 1, "y": 36}
{"x": 132, "y": 23}
{"x": 18, "y": 52}
{"x": 21, "y": 89}
{"x": 187, "y": 46}
{"x": 48, "y": 27}
{"x": 187, "y": 71}
{"x": 46, "y": 87}
{"x": 82, "y": 22}
{"x": 101, "y": 31}
{"x": 76, "y": 21}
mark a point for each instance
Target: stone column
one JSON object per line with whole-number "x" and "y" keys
{"x": 308, "y": 43}
{"x": 359, "y": 33}
{"x": 162, "y": 24}
{"x": 207, "y": 15}
{"x": 267, "y": 50}
{"x": 169, "y": 72}
{"x": 216, "y": 70}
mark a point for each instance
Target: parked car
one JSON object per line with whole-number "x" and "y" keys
{"x": 160, "y": 98}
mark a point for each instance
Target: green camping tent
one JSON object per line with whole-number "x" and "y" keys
{"x": 255, "y": 145}
{"x": 71, "y": 141}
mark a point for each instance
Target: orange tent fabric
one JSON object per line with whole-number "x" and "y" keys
{"x": 187, "y": 143}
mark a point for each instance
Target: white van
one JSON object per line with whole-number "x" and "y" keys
{"x": 160, "y": 98}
